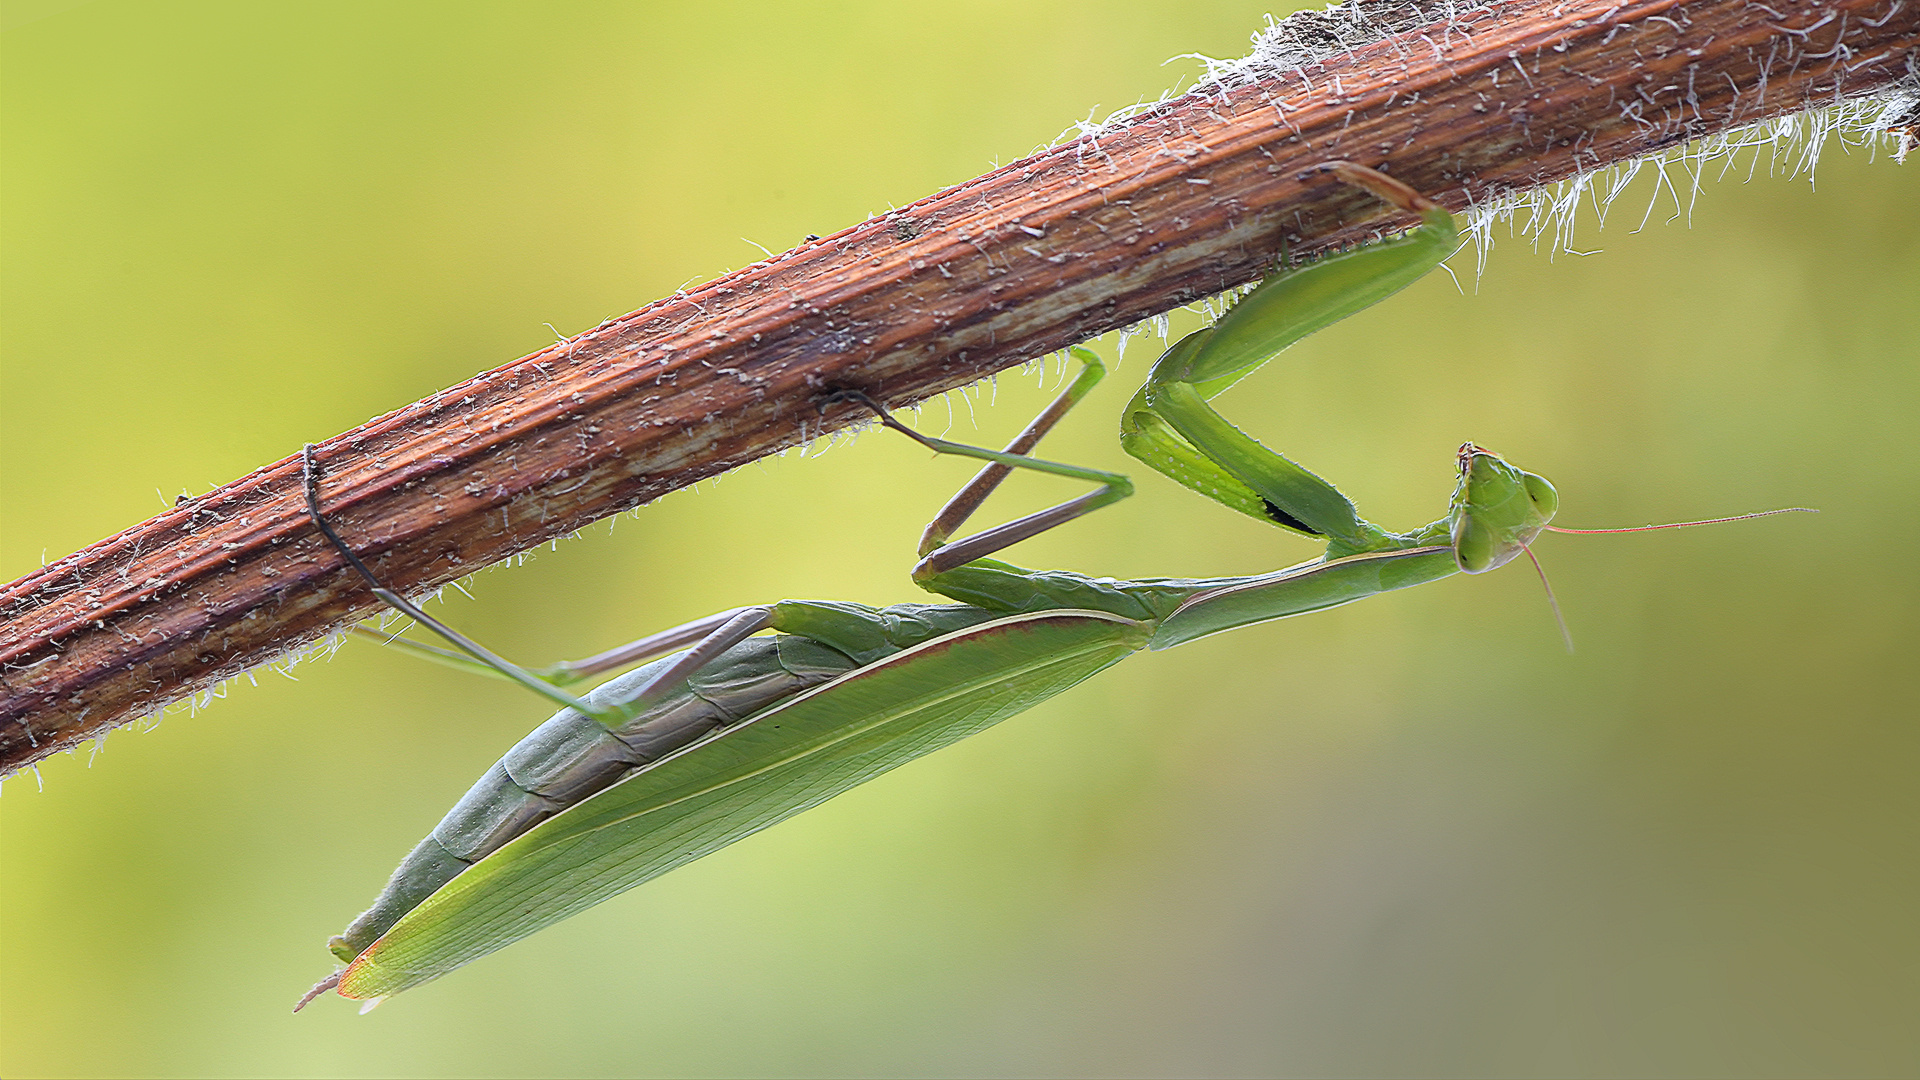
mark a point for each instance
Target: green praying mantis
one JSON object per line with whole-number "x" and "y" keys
{"x": 737, "y": 731}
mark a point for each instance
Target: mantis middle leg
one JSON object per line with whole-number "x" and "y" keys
{"x": 939, "y": 554}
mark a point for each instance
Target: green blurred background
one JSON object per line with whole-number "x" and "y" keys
{"x": 1409, "y": 836}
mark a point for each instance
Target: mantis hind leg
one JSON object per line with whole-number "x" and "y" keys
{"x": 480, "y": 656}
{"x": 568, "y": 672}
{"x": 709, "y": 636}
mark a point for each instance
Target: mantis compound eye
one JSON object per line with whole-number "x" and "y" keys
{"x": 1545, "y": 499}
{"x": 1475, "y": 547}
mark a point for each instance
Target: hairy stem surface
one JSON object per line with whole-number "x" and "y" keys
{"x": 1193, "y": 196}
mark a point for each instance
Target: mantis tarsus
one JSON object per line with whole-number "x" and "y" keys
{"x": 695, "y": 750}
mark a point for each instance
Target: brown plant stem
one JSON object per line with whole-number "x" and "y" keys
{"x": 1195, "y": 196}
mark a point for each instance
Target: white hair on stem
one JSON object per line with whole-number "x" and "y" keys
{"x": 1289, "y": 48}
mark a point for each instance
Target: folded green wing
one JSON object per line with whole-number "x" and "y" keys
{"x": 738, "y": 781}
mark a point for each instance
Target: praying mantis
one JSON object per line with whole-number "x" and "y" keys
{"x": 737, "y": 731}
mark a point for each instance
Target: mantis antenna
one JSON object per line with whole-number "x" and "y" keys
{"x": 1554, "y": 602}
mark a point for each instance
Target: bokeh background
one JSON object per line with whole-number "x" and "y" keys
{"x": 1412, "y": 836}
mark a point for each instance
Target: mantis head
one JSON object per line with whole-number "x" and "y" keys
{"x": 1497, "y": 510}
